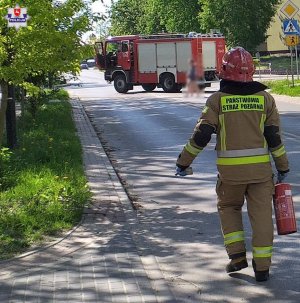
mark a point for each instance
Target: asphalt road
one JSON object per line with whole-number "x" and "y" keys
{"x": 143, "y": 134}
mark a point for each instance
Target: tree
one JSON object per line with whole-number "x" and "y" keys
{"x": 173, "y": 16}
{"x": 126, "y": 17}
{"x": 244, "y": 23}
{"x": 51, "y": 43}
{"x": 154, "y": 16}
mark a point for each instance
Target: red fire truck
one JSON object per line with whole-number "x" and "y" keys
{"x": 160, "y": 60}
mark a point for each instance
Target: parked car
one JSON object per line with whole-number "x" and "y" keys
{"x": 84, "y": 66}
{"x": 91, "y": 62}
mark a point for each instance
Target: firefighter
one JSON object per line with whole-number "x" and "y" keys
{"x": 246, "y": 122}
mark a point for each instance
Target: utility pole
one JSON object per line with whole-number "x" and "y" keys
{"x": 292, "y": 66}
{"x": 297, "y": 63}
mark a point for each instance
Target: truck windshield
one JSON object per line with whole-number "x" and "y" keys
{"x": 111, "y": 47}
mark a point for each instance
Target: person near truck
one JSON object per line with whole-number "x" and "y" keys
{"x": 191, "y": 79}
{"x": 244, "y": 117}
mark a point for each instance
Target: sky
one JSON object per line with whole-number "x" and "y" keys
{"x": 99, "y": 7}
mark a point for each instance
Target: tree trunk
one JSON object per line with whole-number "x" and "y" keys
{"x": 50, "y": 80}
{"x": 11, "y": 119}
{"x": 4, "y": 90}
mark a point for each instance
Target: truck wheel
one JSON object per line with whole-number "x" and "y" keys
{"x": 168, "y": 84}
{"x": 120, "y": 84}
{"x": 149, "y": 87}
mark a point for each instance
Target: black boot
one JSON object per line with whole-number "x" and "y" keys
{"x": 260, "y": 275}
{"x": 232, "y": 267}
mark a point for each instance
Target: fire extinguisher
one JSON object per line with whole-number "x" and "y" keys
{"x": 284, "y": 209}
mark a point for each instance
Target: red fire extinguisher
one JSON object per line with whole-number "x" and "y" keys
{"x": 284, "y": 209}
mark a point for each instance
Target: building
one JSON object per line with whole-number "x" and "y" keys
{"x": 275, "y": 40}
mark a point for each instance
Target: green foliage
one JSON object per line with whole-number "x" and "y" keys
{"x": 172, "y": 16}
{"x": 49, "y": 190}
{"x": 154, "y": 16}
{"x": 50, "y": 43}
{"x": 244, "y": 23}
{"x": 126, "y": 17}
{"x": 5, "y": 171}
{"x": 5, "y": 154}
{"x": 36, "y": 99}
{"x": 284, "y": 87}
{"x": 59, "y": 95}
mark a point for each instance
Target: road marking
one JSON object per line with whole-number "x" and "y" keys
{"x": 291, "y": 136}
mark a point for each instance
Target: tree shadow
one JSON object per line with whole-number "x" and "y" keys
{"x": 148, "y": 153}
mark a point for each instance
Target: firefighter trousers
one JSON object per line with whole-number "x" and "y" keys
{"x": 259, "y": 205}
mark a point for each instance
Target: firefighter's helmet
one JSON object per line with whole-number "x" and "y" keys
{"x": 237, "y": 65}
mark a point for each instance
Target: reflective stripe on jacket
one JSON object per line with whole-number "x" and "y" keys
{"x": 247, "y": 128}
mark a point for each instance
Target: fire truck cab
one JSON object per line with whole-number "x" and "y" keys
{"x": 160, "y": 60}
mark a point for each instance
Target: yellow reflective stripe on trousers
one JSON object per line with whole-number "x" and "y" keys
{"x": 279, "y": 152}
{"x": 223, "y": 132}
{"x": 192, "y": 150}
{"x": 262, "y": 127}
{"x": 236, "y": 236}
{"x": 243, "y": 160}
{"x": 262, "y": 252}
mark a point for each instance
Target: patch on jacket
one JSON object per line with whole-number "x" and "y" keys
{"x": 242, "y": 103}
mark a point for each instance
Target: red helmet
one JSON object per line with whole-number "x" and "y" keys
{"x": 237, "y": 65}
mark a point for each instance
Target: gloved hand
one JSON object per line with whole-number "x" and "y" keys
{"x": 281, "y": 176}
{"x": 183, "y": 172}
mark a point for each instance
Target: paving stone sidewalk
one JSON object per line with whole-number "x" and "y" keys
{"x": 103, "y": 259}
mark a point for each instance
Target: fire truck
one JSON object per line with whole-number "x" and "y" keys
{"x": 160, "y": 60}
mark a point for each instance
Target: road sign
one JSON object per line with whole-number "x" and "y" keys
{"x": 291, "y": 40}
{"x": 291, "y": 27}
{"x": 289, "y": 9}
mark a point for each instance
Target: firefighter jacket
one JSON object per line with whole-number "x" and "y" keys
{"x": 246, "y": 121}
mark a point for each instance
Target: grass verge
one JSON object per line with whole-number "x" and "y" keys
{"x": 42, "y": 184}
{"x": 284, "y": 87}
